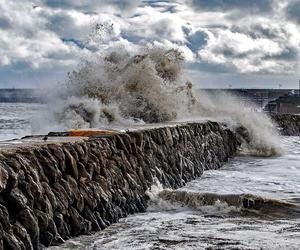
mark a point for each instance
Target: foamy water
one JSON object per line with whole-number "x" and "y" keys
{"x": 178, "y": 226}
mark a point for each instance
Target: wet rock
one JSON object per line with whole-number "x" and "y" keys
{"x": 26, "y": 218}
{"x": 62, "y": 194}
{"x": 77, "y": 222}
{"x": 59, "y": 154}
{"x": 42, "y": 218}
{"x": 61, "y": 226}
{"x": 50, "y": 195}
{"x": 89, "y": 215}
{"x": 83, "y": 173}
{"x": 46, "y": 238}
{"x": 88, "y": 197}
{"x": 288, "y": 124}
{"x": 10, "y": 242}
{"x": 3, "y": 178}
{"x": 22, "y": 234}
{"x": 46, "y": 163}
{"x": 4, "y": 218}
{"x": 71, "y": 166}
{"x": 35, "y": 163}
{"x": 12, "y": 180}
{"x": 16, "y": 201}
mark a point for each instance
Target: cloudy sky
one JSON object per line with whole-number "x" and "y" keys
{"x": 238, "y": 43}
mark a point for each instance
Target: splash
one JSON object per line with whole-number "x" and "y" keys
{"x": 257, "y": 132}
{"x": 144, "y": 86}
{"x": 155, "y": 202}
{"x": 122, "y": 87}
{"x": 194, "y": 200}
{"x": 161, "y": 199}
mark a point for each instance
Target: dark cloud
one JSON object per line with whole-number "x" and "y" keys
{"x": 259, "y": 31}
{"x": 293, "y": 11}
{"x": 91, "y": 5}
{"x": 61, "y": 24}
{"x": 61, "y": 4}
{"x": 289, "y": 54}
{"x": 4, "y": 23}
{"x": 245, "y": 5}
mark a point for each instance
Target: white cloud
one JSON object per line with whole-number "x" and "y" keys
{"x": 28, "y": 41}
{"x": 56, "y": 34}
{"x": 246, "y": 53}
{"x": 153, "y": 24}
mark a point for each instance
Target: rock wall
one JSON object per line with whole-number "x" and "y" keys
{"x": 288, "y": 123}
{"x": 51, "y": 192}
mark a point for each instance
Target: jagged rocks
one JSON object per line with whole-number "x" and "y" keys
{"x": 51, "y": 192}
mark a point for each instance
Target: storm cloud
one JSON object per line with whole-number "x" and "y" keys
{"x": 293, "y": 11}
{"x": 216, "y": 36}
{"x": 225, "y": 5}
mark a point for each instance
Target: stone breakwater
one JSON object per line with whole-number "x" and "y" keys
{"x": 53, "y": 191}
{"x": 288, "y": 123}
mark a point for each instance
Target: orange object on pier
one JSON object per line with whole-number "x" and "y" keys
{"x": 92, "y": 132}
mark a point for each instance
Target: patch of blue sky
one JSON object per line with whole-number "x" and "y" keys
{"x": 78, "y": 43}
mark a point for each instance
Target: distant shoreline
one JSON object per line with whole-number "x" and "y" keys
{"x": 259, "y": 96}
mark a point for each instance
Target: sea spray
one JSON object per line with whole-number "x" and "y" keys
{"x": 260, "y": 136}
{"x": 155, "y": 202}
{"x": 121, "y": 87}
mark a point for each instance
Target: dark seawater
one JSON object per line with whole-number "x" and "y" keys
{"x": 178, "y": 225}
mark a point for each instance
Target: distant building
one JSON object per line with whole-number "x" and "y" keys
{"x": 21, "y": 95}
{"x": 288, "y": 104}
{"x": 260, "y": 97}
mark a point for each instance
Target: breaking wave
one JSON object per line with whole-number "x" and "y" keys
{"x": 146, "y": 85}
{"x": 208, "y": 202}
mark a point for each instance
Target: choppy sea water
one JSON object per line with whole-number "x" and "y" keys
{"x": 176, "y": 226}
{"x": 16, "y": 119}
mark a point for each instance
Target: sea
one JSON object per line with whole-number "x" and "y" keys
{"x": 16, "y": 119}
{"x": 178, "y": 225}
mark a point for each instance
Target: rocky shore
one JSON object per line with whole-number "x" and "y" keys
{"x": 289, "y": 124}
{"x": 53, "y": 191}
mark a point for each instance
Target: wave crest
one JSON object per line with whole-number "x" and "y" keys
{"x": 265, "y": 206}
